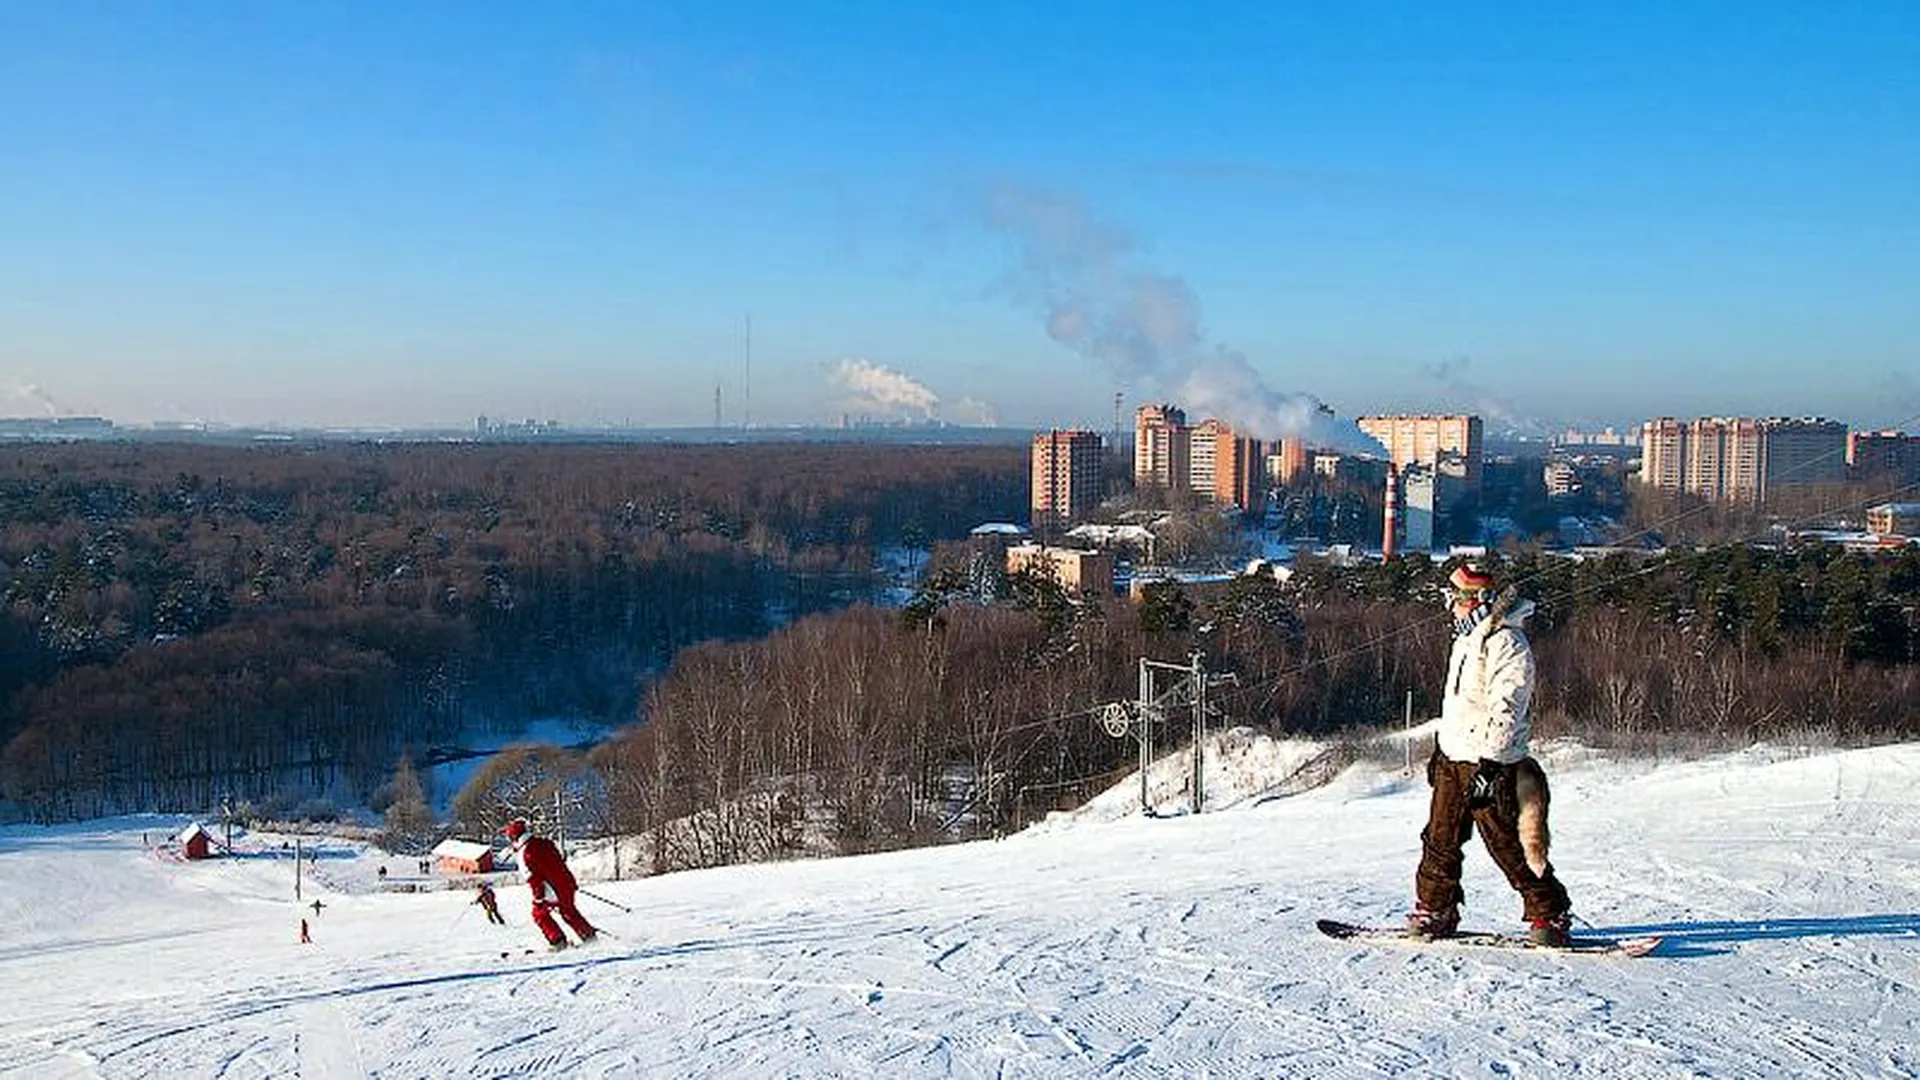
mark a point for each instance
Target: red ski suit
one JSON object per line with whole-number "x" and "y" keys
{"x": 553, "y": 887}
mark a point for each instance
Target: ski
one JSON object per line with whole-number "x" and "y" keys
{"x": 542, "y": 950}
{"x": 1488, "y": 939}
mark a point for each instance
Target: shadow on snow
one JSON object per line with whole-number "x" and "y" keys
{"x": 1696, "y": 938}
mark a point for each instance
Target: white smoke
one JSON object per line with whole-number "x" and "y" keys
{"x": 1472, "y": 397}
{"x": 1085, "y": 280}
{"x": 1226, "y": 385}
{"x": 878, "y": 388}
{"x": 28, "y": 396}
{"x": 973, "y": 412}
{"x": 1076, "y": 271}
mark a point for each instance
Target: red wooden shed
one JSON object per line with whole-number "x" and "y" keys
{"x": 194, "y": 842}
{"x": 463, "y": 857}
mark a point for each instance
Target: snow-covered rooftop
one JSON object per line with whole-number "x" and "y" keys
{"x": 460, "y": 849}
{"x": 1112, "y": 534}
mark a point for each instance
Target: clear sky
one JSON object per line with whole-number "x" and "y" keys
{"x": 378, "y": 213}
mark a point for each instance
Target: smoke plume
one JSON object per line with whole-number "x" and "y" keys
{"x": 28, "y": 396}
{"x": 878, "y": 388}
{"x": 1087, "y": 282}
{"x": 1451, "y": 374}
{"x": 974, "y": 413}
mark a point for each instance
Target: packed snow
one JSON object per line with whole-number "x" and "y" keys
{"x": 1105, "y": 943}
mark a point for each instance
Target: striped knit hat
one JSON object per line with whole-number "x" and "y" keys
{"x": 1469, "y": 578}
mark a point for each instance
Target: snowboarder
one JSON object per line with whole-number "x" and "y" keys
{"x": 550, "y": 882}
{"x": 304, "y": 939}
{"x": 1481, "y": 772}
{"x": 317, "y": 905}
{"x": 489, "y": 904}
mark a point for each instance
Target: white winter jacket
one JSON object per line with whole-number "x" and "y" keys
{"x": 1489, "y": 689}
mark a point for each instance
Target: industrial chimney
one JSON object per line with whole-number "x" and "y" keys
{"x": 1393, "y": 512}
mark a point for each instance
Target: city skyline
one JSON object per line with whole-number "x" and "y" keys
{"x": 353, "y": 216}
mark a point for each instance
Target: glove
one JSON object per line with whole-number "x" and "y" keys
{"x": 1485, "y": 782}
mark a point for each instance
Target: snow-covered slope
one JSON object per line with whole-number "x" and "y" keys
{"x": 1132, "y": 947}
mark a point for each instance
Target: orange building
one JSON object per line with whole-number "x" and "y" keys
{"x": 1451, "y": 444}
{"x": 1067, "y": 477}
{"x": 1239, "y": 478}
{"x": 1089, "y": 572}
{"x": 1294, "y": 462}
{"x": 463, "y": 857}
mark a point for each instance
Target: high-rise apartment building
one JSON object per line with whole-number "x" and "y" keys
{"x": 1292, "y": 462}
{"x": 1889, "y": 455}
{"x": 1451, "y": 444}
{"x": 1663, "y": 454}
{"x": 1723, "y": 458}
{"x": 1067, "y": 480}
{"x": 1739, "y": 459}
{"x": 1161, "y": 445}
{"x": 1203, "y": 441}
{"x": 1799, "y": 452}
{"x": 1224, "y": 466}
{"x": 1239, "y": 476}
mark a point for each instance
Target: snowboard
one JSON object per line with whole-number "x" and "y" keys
{"x": 1488, "y": 939}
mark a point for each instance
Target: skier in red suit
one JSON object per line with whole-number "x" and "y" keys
{"x": 550, "y": 882}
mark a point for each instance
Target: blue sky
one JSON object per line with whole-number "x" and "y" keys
{"x": 371, "y": 213}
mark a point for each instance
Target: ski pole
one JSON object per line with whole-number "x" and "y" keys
{"x": 455, "y": 924}
{"x": 604, "y": 900}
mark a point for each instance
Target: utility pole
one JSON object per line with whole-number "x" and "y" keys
{"x": 296, "y": 868}
{"x": 1199, "y": 683}
{"x": 1136, "y": 718}
{"x": 1408, "y": 722}
{"x": 1146, "y": 731}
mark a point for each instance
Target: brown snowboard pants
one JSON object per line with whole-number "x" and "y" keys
{"x": 1450, "y": 823}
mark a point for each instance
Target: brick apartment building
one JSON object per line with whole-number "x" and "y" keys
{"x": 1068, "y": 478}
{"x": 1452, "y": 445}
{"x": 1741, "y": 459}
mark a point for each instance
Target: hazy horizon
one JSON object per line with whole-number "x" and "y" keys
{"x": 354, "y": 216}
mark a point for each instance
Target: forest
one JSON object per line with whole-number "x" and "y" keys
{"x": 184, "y": 622}
{"x": 281, "y": 625}
{"x": 959, "y": 718}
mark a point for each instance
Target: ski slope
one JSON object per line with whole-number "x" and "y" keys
{"x": 1107, "y": 945}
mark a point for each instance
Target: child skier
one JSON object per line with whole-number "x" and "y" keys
{"x": 489, "y": 904}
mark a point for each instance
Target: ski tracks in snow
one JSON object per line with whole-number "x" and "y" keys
{"x": 1125, "y": 951}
